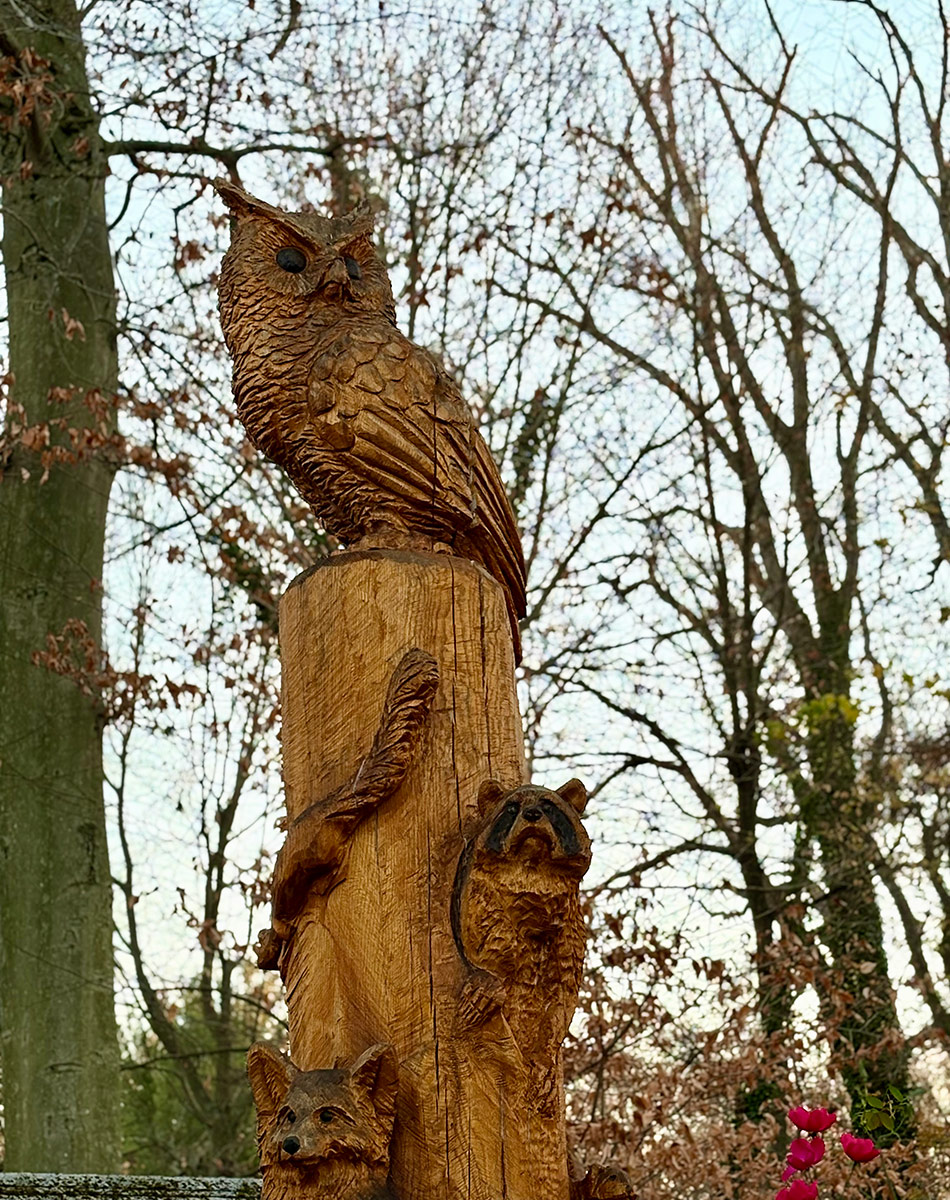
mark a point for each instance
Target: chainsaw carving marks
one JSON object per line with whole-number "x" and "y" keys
{"x": 324, "y": 1135}
{"x": 518, "y": 927}
{"x": 315, "y": 848}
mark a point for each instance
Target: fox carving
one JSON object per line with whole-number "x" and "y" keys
{"x": 324, "y": 1135}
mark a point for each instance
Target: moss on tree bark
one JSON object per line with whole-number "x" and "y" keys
{"x": 59, "y": 1046}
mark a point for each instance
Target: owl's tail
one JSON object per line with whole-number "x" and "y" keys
{"x": 494, "y": 540}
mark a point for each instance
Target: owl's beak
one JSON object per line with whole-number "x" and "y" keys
{"x": 336, "y": 281}
{"x": 336, "y": 273}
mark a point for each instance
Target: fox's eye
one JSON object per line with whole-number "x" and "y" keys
{"x": 326, "y": 1115}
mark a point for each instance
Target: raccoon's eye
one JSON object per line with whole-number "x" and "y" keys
{"x": 353, "y": 268}
{"x": 326, "y": 1115}
{"x": 291, "y": 259}
{"x": 291, "y": 1115}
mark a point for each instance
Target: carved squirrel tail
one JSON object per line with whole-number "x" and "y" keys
{"x": 316, "y": 841}
{"x": 411, "y": 688}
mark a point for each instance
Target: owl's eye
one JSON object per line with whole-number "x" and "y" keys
{"x": 291, "y": 259}
{"x": 353, "y": 268}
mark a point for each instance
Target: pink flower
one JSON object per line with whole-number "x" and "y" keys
{"x": 787, "y": 1174}
{"x": 859, "y": 1150}
{"x": 798, "y": 1189}
{"x": 814, "y": 1120}
{"x": 805, "y": 1152}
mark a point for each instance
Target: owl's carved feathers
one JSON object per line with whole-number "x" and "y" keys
{"x": 372, "y": 431}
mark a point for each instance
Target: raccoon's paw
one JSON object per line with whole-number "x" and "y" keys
{"x": 482, "y": 995}
{"x": 267, "y": 948}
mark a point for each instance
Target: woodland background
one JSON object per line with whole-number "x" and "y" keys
{"x": 692, "y": 265}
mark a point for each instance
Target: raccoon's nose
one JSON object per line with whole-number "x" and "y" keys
{"x": 532, "y": 814}
{"x": 291, "y": 1144}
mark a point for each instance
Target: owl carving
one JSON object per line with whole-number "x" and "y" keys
{"x": 373, "y": 432}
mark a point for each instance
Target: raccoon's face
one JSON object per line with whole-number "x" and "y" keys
{"x": 535, "y": 826}
{"x": 310, "y": 1117}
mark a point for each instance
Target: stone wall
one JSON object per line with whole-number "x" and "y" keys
{"x": 26, "y": 1186}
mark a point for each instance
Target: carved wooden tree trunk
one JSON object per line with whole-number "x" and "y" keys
{"x": 426, "y": 914}
{"x": 375, "y": 959}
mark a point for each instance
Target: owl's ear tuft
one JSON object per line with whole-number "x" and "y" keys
{"x": 240, "y": 202}
{"x": 359, "y": 221}
{"x": 363, "y": 212}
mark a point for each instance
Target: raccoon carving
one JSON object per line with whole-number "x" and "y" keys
{"x": 324, "y": 1135}
{"x": 518, "y": 926}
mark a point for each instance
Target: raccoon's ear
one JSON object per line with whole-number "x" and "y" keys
{"x": 574, "y": 793}
{"x": 489, "y": 793}
{"x": 270, "y": 1074}
{"x": 376, "y": 1073}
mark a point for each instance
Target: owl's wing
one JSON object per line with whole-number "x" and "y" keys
{"x": 493, "y": 530}
{"x": 400, "y": 422}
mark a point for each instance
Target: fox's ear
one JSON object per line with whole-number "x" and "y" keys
{"x": 574, "y": 793}
{"x": 489, "y": 793}
{"x": 376, "y": 1073}
{"x": 270, "y": 1074}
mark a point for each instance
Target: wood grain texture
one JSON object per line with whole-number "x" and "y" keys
{"x": 315, "y": 849}
{"x": 374, "y": 959}
{"x": 372, "y": 430}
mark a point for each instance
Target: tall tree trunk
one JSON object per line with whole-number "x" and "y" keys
{"x": 839, "y": 814}
{"x": 59, "y": 1045}
{"x": 775, "y": 996}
